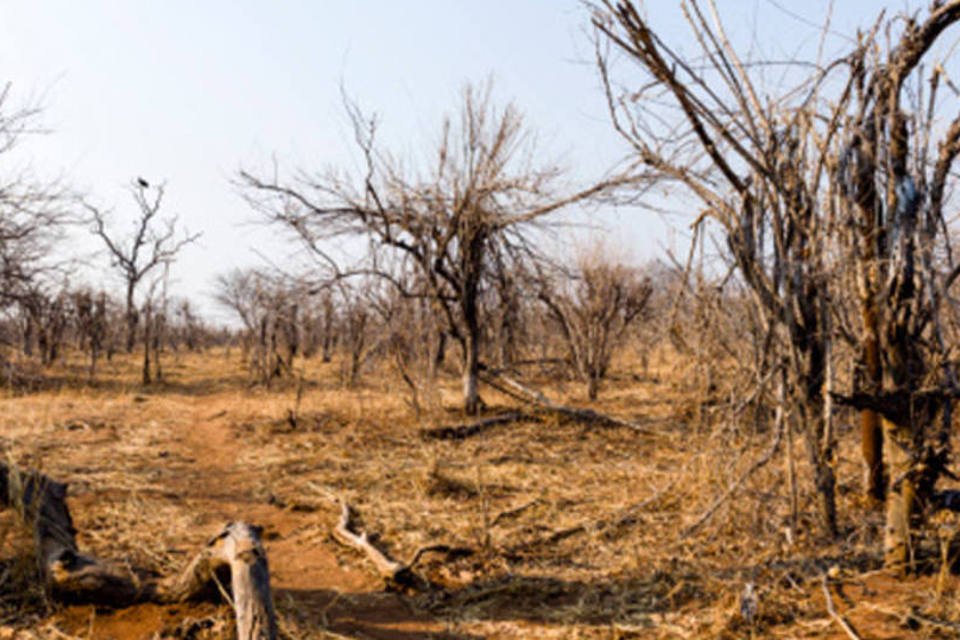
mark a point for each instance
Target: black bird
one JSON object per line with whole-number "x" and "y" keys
{"x": 143, "y": 183}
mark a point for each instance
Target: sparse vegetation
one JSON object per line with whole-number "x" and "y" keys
{"x": 613, "y": 451}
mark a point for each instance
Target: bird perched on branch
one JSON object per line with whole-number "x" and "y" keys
{"x": 143, "y": 183}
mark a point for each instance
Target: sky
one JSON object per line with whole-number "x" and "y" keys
{"x": 189, "y": 92}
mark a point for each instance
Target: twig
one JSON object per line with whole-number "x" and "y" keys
{"x": 512, "y": 513}
{"x": 723, "y": 497}
{"x": 622, "y": 518}
{"x": 839, "y": 619}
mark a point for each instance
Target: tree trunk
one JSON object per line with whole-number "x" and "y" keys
{"x": 821, "y": 459}
{"x": 147, "y": 336}
{"x": 471, "y": 373}
{"x": 238, "y": 547}
{"x": 593, "y": 387}
{"x": 871, "y": 432}
{"x": 814, "y": 414}
{"x": 28, "y": 331}
{"x": 132, "y": 319}
{"x": 440, "y": 352}
{"x": 900, "y": 495}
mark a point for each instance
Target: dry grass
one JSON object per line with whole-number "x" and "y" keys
{"x": 577, "y": 531}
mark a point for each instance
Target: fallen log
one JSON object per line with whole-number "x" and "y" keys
{"x": 469, "y": 429}
{"x": 235, "y": 553}
{"x": 523, "y": 393}
{"x": 69, "y": 574}
{"x": 235, "y": 557}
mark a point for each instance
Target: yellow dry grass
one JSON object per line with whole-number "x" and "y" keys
{"x": 577, "y": 530}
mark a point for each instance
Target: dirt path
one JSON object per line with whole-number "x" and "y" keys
{"x": 309, "y": 575}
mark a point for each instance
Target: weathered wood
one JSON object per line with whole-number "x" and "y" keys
{"x": 235, "y": 557}
{"x": 396, "y": 575}
{"x": 69, "y": 575}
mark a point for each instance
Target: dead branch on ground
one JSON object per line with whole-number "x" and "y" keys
{"x": 476, "y": 427}
{"x": 397, "y": 576}
{"x": 235, "y": 557}
{"x": 623, "y": 518}
{"x": 527, "y": 395}
{"x": 839, "y": 619}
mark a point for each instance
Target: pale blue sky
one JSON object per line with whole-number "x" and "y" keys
{"x": 191, "y": 91}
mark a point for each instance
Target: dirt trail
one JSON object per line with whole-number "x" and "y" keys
{"x": 307, "y": 574}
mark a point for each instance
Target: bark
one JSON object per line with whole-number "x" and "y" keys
{"x": 132, "y": 317}
{"x": 237, "y": 553}
{"x": 235, "y": 557}
{"x": 471, "y": 371}
{"x": 901, "y": 495}
{"x": 593, "y": 387}
{"x": 147, "y": 338}
{"x": 820, "y": 446}
{"x": 870, "y": 426}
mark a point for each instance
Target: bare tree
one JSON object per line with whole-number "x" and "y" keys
{"x": 594, "y": 307}
{"x": 32, "y": 213}
{"x": 481, "y": 190}
{"x": 269, "y": 311}
{"x": 190, "y": 330}
{"x": 152, "y": 243}
{"x": 46, "y": 318}
{"x": 789, "y": 178}
{"x": 90, "y": 311}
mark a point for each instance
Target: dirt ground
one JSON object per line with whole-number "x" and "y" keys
{"x": 573, "y": 530}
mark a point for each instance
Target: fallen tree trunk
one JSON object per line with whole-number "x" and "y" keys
{"x": 69, "y": 575}
{"x": 523, "y": 393}
{"x": 235, "y": 557}
{"x": 463, "y": 431}
{"x": 238, "y": 553}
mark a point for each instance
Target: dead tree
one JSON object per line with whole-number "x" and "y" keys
{"x": 190, "y": 329}
{"x": 46, "y": 318}
{"x": 759, "y": 170}
{"x": 32, "y": 215}
{"x": 90, "y": 311}
{"x": 152, "y": 243}
{"x": 234, "y": 557}
{"x": 838, "y": 167}
{"x": 594, "y": 307}
{"x": 410, "y": 329}
{"x": 269, "y": 311}
{"x": 481, "y": 190}
{"x": 893, "y": 180}
{"x": 360, "y": 335}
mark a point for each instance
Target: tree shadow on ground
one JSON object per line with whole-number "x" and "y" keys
{"x": 521, "y": 599}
